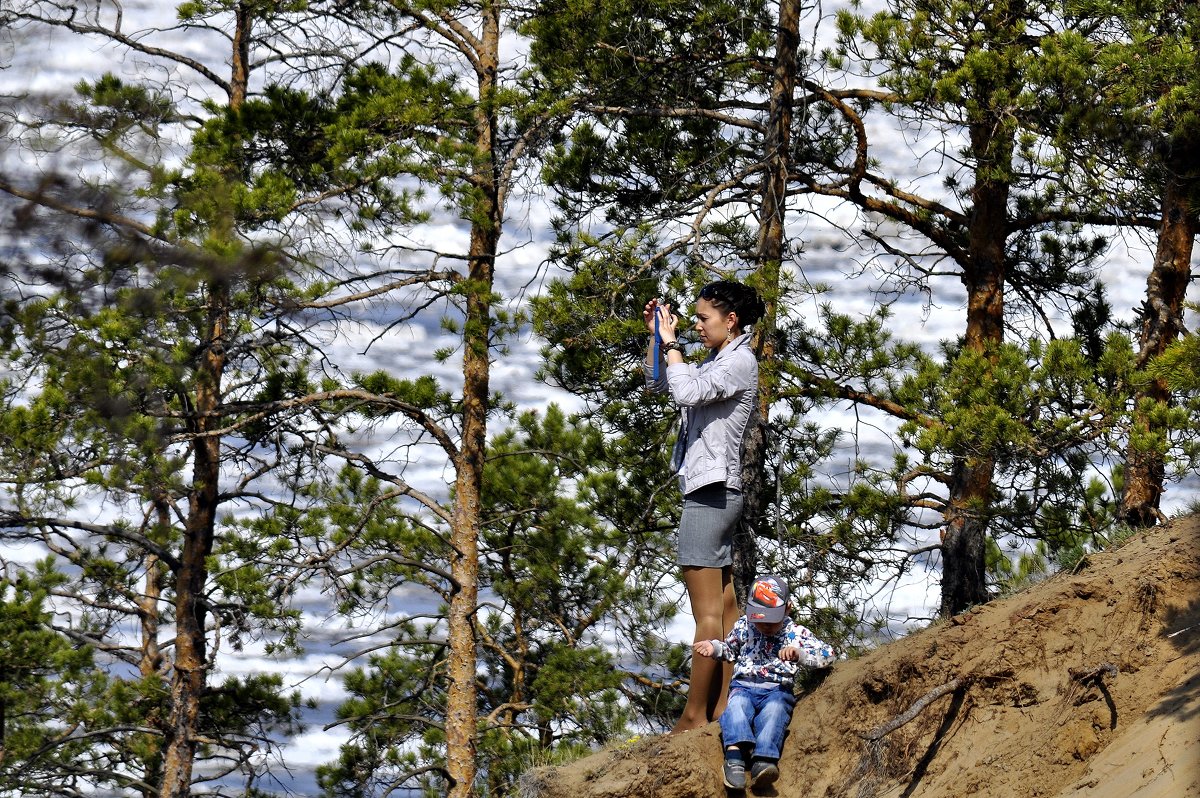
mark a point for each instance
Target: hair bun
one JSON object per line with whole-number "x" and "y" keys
{"x": 735, "y": 297}
{"x": 752, "y": 307}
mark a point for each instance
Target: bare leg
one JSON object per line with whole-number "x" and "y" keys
{"x": 710, "y": 592}
{"x": 729, "y": 615}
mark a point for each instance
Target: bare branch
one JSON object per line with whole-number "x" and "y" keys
{"x": 879, "y": 732}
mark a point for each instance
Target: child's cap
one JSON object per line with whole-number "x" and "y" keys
{"x": 767, "y": 600}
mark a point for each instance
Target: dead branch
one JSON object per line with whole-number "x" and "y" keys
{"x": 1095, "y": 677}
{"x": 871, "y": 765}
{"x": 1084, "y": 676}
{"x": 879, "y": 732}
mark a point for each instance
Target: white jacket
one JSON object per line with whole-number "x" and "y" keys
{"x": 717, "y": 399}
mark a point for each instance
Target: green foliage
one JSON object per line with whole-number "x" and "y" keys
{"x": 595, "y": 317}
{"x": 660, "y": 60}
{"x": 1179, "y": 365}
{"x": 423, "y": 392}
{"x": 37, "y": 663}
{"x": 258, "y": 696}
{"x": 568, "y": 558}
{"x": 1047, "y": 414}
{"x": 244, "y": 217}
{"x": 50, "y": 683}
{"x": 195, "y": 10}
{"x": 164, "y": 435}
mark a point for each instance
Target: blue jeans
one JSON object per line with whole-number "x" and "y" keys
{"x": 758, "y": 718}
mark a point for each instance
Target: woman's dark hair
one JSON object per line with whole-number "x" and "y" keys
{"x": 728, "y": 296}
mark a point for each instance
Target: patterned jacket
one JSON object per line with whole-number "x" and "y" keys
{"x": 755, "y": 656}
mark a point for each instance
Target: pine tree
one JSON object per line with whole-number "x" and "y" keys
{"x": 1145, "y": 56}
{"x": 570, "y": 600}
{"x": 1015, "y": 242}
{"x": 167, "y": 346}
{"x": 678, "y": 173}
{"x": 971, "y": 72}
{"x": 471, "y": 123}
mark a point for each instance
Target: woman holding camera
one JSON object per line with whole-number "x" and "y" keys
{"x": 716, "y": 399}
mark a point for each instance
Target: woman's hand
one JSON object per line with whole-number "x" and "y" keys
{"x": 667, "y": 322}
{"x": 648, "y": 315}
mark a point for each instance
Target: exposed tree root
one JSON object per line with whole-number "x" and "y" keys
{"x": 871, "y": 765}
{"x": 1094, "y": 675}
{"x": 879, "y": 732}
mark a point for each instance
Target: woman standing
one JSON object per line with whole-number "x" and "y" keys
{"x": 716, "y": 399}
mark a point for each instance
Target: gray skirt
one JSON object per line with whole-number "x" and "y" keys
{"x": 706, "y": 526}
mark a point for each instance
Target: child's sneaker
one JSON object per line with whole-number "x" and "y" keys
{"x": 735, "y": 774}
{"x": 763, "y": 772}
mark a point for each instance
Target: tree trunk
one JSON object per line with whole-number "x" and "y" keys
{"x": 772, "y": 210}
{"x": 964, "y": 540}
{"x": 190, "y": 670}
{"x": 189, "y": 674}
{"x": 1162, "y": 323}
{"x": 3, "y": 728}
{"x": 150, "y": 663}
{"x": 461, "y": 701}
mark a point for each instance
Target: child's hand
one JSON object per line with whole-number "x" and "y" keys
{"x": 703, "y": 648}
{"x": 789, "y": 653}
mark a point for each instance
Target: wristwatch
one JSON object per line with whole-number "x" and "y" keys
{"x": 669, "y": 345}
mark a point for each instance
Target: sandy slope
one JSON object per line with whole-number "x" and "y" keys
{"x": 1087, "y": 685}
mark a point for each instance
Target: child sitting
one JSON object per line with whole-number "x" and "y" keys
{"x": 766, "y": 648}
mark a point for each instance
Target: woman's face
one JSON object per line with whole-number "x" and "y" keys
{"x": 712, "y": 324}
